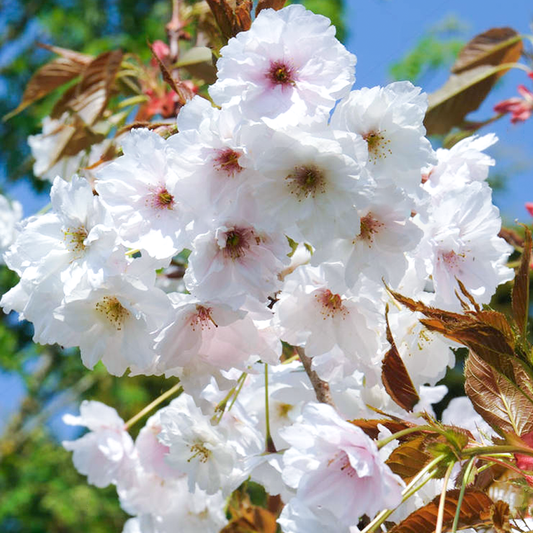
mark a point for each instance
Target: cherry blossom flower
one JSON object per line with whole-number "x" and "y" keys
{"x": 106, "y": 454}
{"x": 140, "y": 189}
{"x": 336, "y": 469}
{"x": 390, "y": 120}
{"x": 10, "y": 215}
{"x": 520, "y": 108}
{"x": 212, "y": 456}
{"x": 288, "y": 64}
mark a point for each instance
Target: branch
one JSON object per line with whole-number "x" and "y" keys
{"x": 322, "y": 391}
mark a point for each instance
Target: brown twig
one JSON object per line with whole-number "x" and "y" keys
{"x": 322, "y": 391}
{"x": 174, "y": 28}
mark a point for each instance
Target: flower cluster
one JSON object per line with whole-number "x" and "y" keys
{"x": 294, "y": 204}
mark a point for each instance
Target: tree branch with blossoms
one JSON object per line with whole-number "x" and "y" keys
{"x": 199, "y": 242}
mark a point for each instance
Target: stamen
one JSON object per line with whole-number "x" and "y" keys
{"x": 160, "y": 199}
{"x": 237, "y": 242}
{"x": 331, "y": 304}
{"x": 306, "y": 181}
{"x": 202, "y": 318}
{"x": 369, "y": 227}
{"x": 227, "y": 161}
{"x": 200, "y": 451}
{"x": 377, "y": 146}
{"x": 74, "y": 239}
{"x": 113, "y": 311}
{"x": 281, "y": 73}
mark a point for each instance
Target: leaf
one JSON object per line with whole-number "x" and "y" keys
{"x": 183, "y": 92}
{"x": 252, "y": 520}
{"x": 460, "y": 95}
{"x": 500, "y": 514}
{"x": 520, "y": 296}
{"x": 243, "y": 16}
{"x": 479, "y": 65}
{"x": 493, "y": 47}
{"x": 395, "y": 377}
{"x": 198, "y": 62}
{"x": 485, "y": 332}
{"x": 265, "y": 4}
{"x": 475, "y": 509}
{"x": 224, "y": 17}
{"x": 89, "y": 98}
{"x": 370, "y": 427}
{"x": 232, "y": 21}
{"x": 48, "y": 78}
{"x": 501, "y": 402}
{"x": 410, "y": 457}
{"x": 74, "y": 56}
{"x": 72, "y": 138}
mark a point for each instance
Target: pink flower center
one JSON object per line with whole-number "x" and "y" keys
{"x": 202, "y": 318}
{"x": 281, "y": 73}
{"x": 377, "y": 146}
{"x": 341, "y": 462}
{"x": 330, "y": 304}
{"x": 369, "y": 227}
{"x": 451, "y": 259}
{"x": 160, "y": 199}
{"x": 227, "y": 161}
{"x": 306, "y": 181}
{"x": 238, "y": 242}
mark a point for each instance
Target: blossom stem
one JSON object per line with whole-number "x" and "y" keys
{"x": 269, "y": 445}
{"x": 464, "y": 483}
{"x": 411, "y": 489}
{"x": 490, "y": 450}
{"x": 322, "y": 391}
{"x": 402, "y": 433}
{"x": 442, "y": 502}
{"x": 151, "y": 406}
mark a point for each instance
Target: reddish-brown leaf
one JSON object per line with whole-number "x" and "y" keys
{"x": 243, "y": 16}
{"x": 493, "y": 47}
{"x": 48, "y": 78}
{"x": 520, "y": 297}
{"x": 89, "y": 98}
{"x": 475, "y": 511}
{"x": 410, "y": 457}
{"x": 370, "y": 427}
{"x": 500, "y": 514}
{"x": 252, "y": 520}
{"x": 76, "y": 57}
{"x": 224, "y": 17}
{"x": 183, "y": 92}
{"x": 72, "y": 138}
{"x": 503, "y": 401}
{"x": 265, "y": 4}
{"x": 475, "y": 72}
{"x": 395, "y": 377}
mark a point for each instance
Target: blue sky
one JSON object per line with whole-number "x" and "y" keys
{"x": 381, "y": 32}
